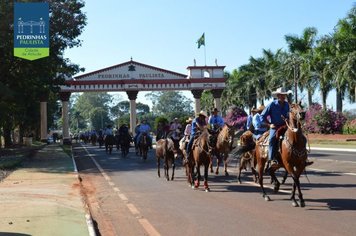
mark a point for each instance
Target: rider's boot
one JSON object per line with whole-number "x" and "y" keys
{"x": 308, "y": 163}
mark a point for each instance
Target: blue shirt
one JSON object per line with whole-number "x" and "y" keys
{"x": 216, "y": 120}
{"x": 195, "y": 128}
{"x": 257, "y": 122}
{"x": 276, "y": 111}
{"x": 249, "y": 121}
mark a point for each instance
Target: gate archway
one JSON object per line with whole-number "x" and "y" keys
{"x": 132, "y": 77}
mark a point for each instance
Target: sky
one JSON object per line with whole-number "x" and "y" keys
{"x": 164, "y": 33}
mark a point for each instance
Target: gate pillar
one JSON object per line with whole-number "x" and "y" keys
{"x": 217, "y": 98}
{"x": 64, "y": 96}
{"x": 43, "y": 109}
{"x": 132, "y": 97}
{"x": 197, "y": 95}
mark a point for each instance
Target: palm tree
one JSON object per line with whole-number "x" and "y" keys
{"x": 302, "y": 49}
{"x": 344, "y": 63}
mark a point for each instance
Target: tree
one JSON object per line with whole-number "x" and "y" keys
{"x": 94, "y": 109}
{"x": 171, "y": 104}
{"x": 302, "y": 49}
{"x": 28, "y": 81}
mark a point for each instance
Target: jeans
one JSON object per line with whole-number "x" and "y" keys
{"x": 273, "y": 142}
{"x": 190, "y": 144}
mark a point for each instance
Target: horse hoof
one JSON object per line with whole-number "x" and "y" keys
{"x": 302, "y": 204}
{"x": 267, "y": 198}
{"x": 295, "y": 204}
{"x": 226, "y": 174}
{"x": 207, "y": 190}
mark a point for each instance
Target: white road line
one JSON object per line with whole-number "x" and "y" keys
{"x": 148, "y": 227}
{"x": 144, "y": 222}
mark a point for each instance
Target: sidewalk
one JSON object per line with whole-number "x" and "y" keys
{"x": 43, "y": 197}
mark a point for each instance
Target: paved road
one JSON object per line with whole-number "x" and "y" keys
{"x": 127, "y": 198}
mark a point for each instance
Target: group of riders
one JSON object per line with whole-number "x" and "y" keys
{"x": 270, "y": 118}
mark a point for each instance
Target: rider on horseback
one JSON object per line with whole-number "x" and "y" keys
{"x": 215, "y": 120}
{"x": 277, "y": 110}
{"x": 198, "y": 124}
{"x": 144, "y": 128}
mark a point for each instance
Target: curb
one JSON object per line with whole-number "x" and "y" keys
{"x": 88, "y": 216}
{"x": 333, "y": 149}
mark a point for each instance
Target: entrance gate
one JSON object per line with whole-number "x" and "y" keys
{"x": 132, "y": 77}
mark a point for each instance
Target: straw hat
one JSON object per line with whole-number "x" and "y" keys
{"x": 202, "y": 113}
{"x": 190, "y": 119}
{"x": 282, "y": 91}
{"x": 259, "y": 109}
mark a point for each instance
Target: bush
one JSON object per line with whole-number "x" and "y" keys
{"x": 325, "y": 121}
{"x": 350, "y": 127}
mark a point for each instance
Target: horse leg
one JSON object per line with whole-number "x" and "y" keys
{"x": 211, "y": 164}
{"x": 218, "y": 161}
{"x": 284, "y": 177}
{"x": 197, "y": 178}
{"x": 166, "y": 172}
{"x": 225, "y": 164}
{"x": 240, "y": 169}
{"x": 294, "y": 202}
{"x": 300, "y": 195}
{"x": 260, "y": 180}
{"x": 173, "y": 168}
{"x": 274, "y": 180}
{"x": 206, "y": 170}
{"x": 158, "y": 167}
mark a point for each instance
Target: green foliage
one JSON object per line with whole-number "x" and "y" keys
{"x": 27, "y": 82}
{"x": 349, "y": 127}
{"x": 171, "y": 104}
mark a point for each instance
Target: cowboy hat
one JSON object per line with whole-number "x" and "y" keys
{"x": 282, "y": 91}
{"x": 189, "y": 120}
{"x": 259, "y": 109}
{"x": 202, "y": 113}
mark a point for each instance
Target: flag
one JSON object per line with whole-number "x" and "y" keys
{"x": 201, "y": 40}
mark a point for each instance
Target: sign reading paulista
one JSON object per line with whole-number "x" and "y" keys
{"x": 31, "y": 30}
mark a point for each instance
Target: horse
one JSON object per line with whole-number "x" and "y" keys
{"x": 101, "y": 140}
{"x": 201, "y": 155}
{"x": 125, "y": 140}
{"x": 247, "y": 159}
{"x": 224, "y": 142}
{"x": 93, "y": 139}
{"x": 165, "y": 150}
{"x": 143, "y": 145}
{"x": 109, "y": 142}
{"x": 293, "y": 155}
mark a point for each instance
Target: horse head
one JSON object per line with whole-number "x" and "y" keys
{"x": 296, "y": 114}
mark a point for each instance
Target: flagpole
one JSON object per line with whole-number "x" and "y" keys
{"x": 205, "y": 54}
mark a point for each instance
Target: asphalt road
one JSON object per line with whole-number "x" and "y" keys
{"x": 126, "y": 197}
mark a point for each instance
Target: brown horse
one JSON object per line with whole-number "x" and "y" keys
{"x": 248, "y": 158}
{"x": 294, "y": 151}
{"x": 165, "y": 150}
{"x": 224, "y": 143}
{"x": 200, "y": 156}
{"x": 293, "y": 154}
{"x": 143, "y": 146}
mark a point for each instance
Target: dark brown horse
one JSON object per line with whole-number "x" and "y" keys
{"x": 165, "y": 150}
{"x": 143, "y": 146}
{"x": 224, "y": 143}
{"x": 294, "y": 151}
{"x": 293, "y": 154}
{"x": 200, "y": 156}
{"x": 248, "y": 158}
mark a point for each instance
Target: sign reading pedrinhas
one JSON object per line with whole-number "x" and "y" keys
{"x": 31, "y": 30}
